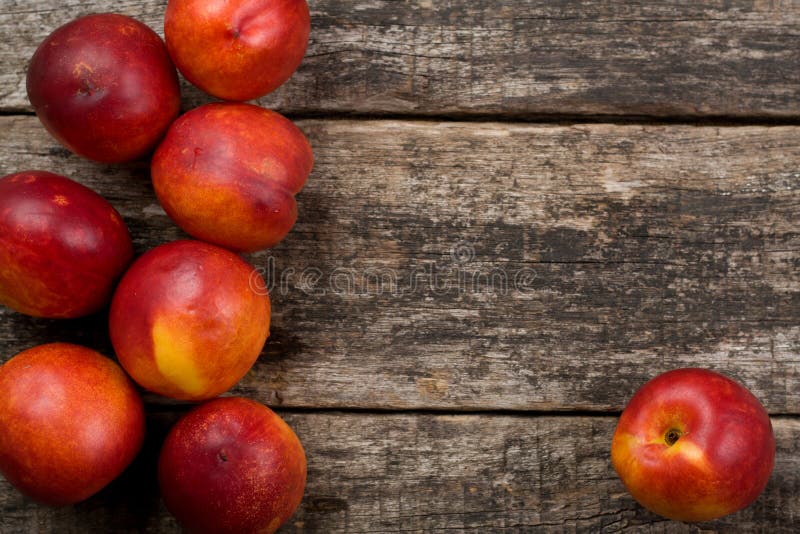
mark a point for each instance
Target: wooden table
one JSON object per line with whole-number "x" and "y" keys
{"x": 520, "y": 212}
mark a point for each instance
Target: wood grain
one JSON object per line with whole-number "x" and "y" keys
{"x": 508, "y": 57}
{"x": 435, "y": 473}
{"x": 484, "y": 266}
{"x": 571, "y": 263}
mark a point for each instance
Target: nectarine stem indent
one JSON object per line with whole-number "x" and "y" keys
{"x": 672, "y": 436}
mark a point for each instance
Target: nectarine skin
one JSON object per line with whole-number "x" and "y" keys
{"x": 227, "y": 173}
{"x": 70, "y": 422}
{"x": 694, "y": 445}
{"x": 232, "y": 465}
{"x": 104, "y": 86}
{"x": 237, "y": 49}
{"x": 62, "y": 246}
{"x": 188, "y": 321}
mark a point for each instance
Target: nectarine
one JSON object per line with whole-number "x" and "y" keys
{"x": 104, "y": 86}
{"x": 62, "y": 246}
{"x": 186, "y": 322}
{"x": 237, "y": 49}
{"x": 70, "y": 422}
{"x": 227, "y": 174}
{"x": 693, "y": 445}
{"x": 233, "y": 466}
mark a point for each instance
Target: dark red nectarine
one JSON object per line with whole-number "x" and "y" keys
{"x": 62, "y": 246}
{"x": 104, "y": 87}
{"x": 233, "y": 466}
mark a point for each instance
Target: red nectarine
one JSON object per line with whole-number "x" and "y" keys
{"x": 186, "y": 322}
{"x": 70, "y": 422}
{"x": 693, "y": 445}
{"x": 233, "y": 466}
{"x": 228, "y": 173}
{"x": 62, "y": 246}
{"x": 104, "y": 87}
{"x": 237, "y": 49}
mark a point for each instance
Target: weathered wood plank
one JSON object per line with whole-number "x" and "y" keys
{"x": 425, "y": 473}
{"x": 587, "y": 259}
{"x": 518, "y": 57}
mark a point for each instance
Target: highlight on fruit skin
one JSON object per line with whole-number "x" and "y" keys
{"x": 237, "y": 49}
{"x": 694, "y": 445}
{"x": 105, "y": 87}
{"x": 70, "y": 422}
{"x": 231, "y": 465}
{"x": 189, "y": 319}
{"x": 228, "y": 173}
{"x": 62, "y": 246}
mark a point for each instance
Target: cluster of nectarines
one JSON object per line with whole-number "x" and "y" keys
{"x": 184, "y": 320}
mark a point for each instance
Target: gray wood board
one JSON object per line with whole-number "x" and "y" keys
{"x": 508, "y": 57}
{"x": 571, "y": 263}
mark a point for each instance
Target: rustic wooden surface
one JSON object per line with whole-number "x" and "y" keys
{"x": 512, "y": 57}
{"x": 573, "y": 261}
{"x": 626, "y": 250}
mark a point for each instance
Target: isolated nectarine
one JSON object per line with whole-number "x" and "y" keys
{"x": 694, "y": 445}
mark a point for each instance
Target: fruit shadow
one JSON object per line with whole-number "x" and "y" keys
{"x": 23, "y": 332}
{"x": 132, "y": 501}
